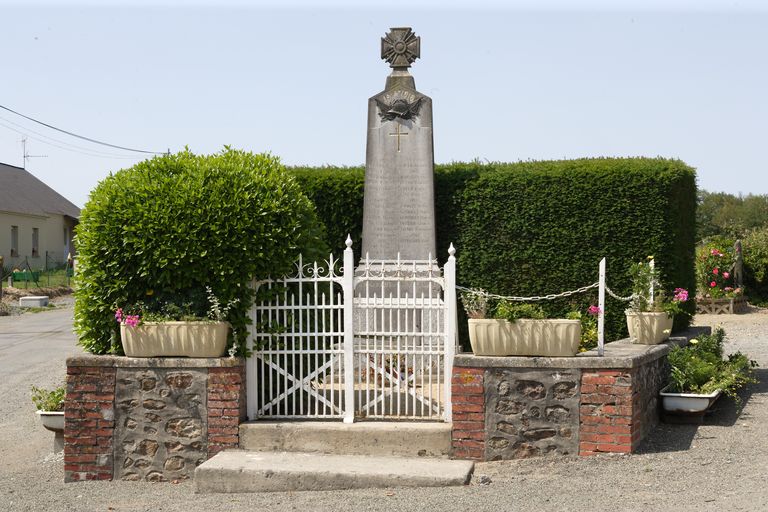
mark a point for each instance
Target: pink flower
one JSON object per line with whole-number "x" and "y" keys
{"x": 594, "y": 310}
{"x": 712, "y": 284}
{"x": 119, "y": 314}
{"x": 681, "y": 295}
{"x": 132, "y": 320}
{"x": 728, "y": 288}
{"x": 715, "y": 270}
{"x": 726, "y": 275}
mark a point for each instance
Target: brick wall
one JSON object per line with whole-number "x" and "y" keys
{"x": 149, "y": 419}
{"x": 226, "y": 407}
{"x": 468, "y": 399}
{"x": 89, "y": 423}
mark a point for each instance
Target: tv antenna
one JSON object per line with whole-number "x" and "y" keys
{"x": 27, "y": 156}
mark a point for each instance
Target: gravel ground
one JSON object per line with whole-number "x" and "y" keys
{"x": 721, "y": 465}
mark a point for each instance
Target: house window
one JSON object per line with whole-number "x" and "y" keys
{"x": 14, "y": 241}
{"x": 35, "y": 242}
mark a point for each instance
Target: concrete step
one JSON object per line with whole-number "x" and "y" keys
{"x": 379, "y": 438}
{"x": 248, "y": 471}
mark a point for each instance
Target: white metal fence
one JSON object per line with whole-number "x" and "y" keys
{"x": 332, "y": 341}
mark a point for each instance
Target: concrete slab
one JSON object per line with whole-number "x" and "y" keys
{"x": 246, "y": 471}
{"x": 33, "y": 301}
{"x": 380, "y": 438}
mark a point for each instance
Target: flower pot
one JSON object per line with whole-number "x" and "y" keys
{"x": 722, "y": 306}
{"x": 686, "y": 407}
{"x": 52, "y": 420}
{"x": 525, "y": 337}
{"x": 648, "y": 328}
{"x": 169, "y": 339}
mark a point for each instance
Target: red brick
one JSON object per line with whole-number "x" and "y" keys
{"x": 468, "y": 434}
{"x": 223, "y": 439}
{"x": 214, "y": 421}
{"x": 613, "y": 429}
{"x": 468, "y": 389}
{"x": 613, "y": 448}
{"x": 469, "y": 425}
{"x": 468, "y": 408}
{"x": 587, "y": 453}
{"x": 588, "y": 388}
{"x": 595, "y": 419}
{"x": 223, "y": 396}
{"x": 216, "y": 404}
{"x": 597, "y": 438}
{"x": 469, "y": 416}
{"x": 589, "y": 379}
{"x": 231, "y": 412}
{"x": 468, "y": 454}
{"x": 467, "y": 399}
{"x": 72, "y": 459}
{"x": 592, "y": 447}
{"x": 469, "y": 443}
{"x": 624, "y": 440}
{"x": 470, "y": 371}
{"x": 230, "y": 431}
{"x": 466, "y": 378}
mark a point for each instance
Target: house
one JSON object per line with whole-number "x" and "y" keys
{"x": 36, "y": 222}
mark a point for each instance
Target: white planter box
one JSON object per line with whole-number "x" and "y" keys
{"x": 687, "y": 403}
{"x": 648, "y": 328}
{"x": 525, "y": 337}
{"x": 174, "y": 339}
{"x": 52, "y": 420}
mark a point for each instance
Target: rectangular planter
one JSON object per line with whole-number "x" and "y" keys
{"x": 174, "y": 339}
{"x": 725, "y": 306}
{"x": 525, "y": 337}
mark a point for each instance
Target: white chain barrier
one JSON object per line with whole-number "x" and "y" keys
{"x": 534, "y": 298}
{"x": 618, "y": 297}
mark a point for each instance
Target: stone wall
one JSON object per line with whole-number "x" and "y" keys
{"x": 153, "y": 419}
{"x": 517, "y": 407}
{"x": 531, "y": 412}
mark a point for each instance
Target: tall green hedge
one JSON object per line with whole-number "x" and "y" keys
{"x": 534, "y": 228}
{"x": 170, "y": 226}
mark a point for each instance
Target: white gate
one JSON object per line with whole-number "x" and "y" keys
{"x": 376, "y": 342}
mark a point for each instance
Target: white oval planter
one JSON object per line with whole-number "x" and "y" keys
{"x": 175, "y": 339}
{"x": 525, "y": 337}
{"x": 52, "y": 420}
{"x": 648, "y": 328}
{"x": 687, "y": 403}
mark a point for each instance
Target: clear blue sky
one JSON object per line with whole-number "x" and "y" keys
{"x": 509, "y": 81}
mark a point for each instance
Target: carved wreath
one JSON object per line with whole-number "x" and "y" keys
{"x": 399, "y": 108}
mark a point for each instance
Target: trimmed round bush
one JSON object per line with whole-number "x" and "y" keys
{"x": 174, "y": 225}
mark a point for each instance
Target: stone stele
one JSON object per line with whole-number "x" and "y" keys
{"x": 399, "y": 211}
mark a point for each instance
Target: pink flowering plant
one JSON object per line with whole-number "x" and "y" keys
{"x": 645, "y": 277}
{"x": 588, "y": 326}
{"x": 190, "y": 307}
{"x": 713, "y": 271}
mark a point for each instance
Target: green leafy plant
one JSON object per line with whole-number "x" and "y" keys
{"x": 512, "y": 311}
{"x": 49, "y": 400}
{"x": 645, "y": 277}
{"x": 700, "y": 368}
{"x": 475, "y": 303}
{"x": 175, "y": 224}
{"x": 589, "y": 332}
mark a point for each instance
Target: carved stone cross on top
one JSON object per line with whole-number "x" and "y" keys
{"x": 400, "y": 47}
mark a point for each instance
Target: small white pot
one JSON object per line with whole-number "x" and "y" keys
{"x": 648, "y": 328}
{"x": 687, "y": 402}
{"x": 52, "y": 420}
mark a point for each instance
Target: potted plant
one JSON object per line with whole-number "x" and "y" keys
{"x": 650, "y": 315}
{"x": 166, "y": 328}
{"x": 699, "y": 375}
{"x": 50, "y": 408}
{"x": 517, "y": 329}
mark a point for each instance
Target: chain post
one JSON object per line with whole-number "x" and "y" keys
{"x": 601, "y": 313}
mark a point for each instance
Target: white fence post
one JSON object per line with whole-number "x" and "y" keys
{"x": 450, "y": 328}
{"x": 348, "y": 287}
{"x": 653, "y": 281}
{"x": 251, "y": 386}
{"x": 601, "y": 314}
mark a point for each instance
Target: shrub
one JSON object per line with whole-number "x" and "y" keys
{"x": 171, "y": 226}
{"x": 755, "y": 252}
{"x": 714, "y": 269}
{"x": 533, "y": 228}
{"x": 49, "y": 400}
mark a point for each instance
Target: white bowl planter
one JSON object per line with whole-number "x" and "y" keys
{"x": 52, "y": 420}
{"x": 687, "y": 403}
{"x": 169, "y": 339}
{"x": 525, "y": 337}
{"x": 648, "y": 328}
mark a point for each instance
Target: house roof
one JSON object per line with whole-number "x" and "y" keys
{"x": 21, "y": 192}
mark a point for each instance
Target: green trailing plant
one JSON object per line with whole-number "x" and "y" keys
{"x": 533, "y": 228}
{"x": 475, "y": 303}
{"x": 699, "y": 368}
{"x": 49, "y": 400}
{"x": 175, "y": 224}
{"x": 589, "y": 333}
